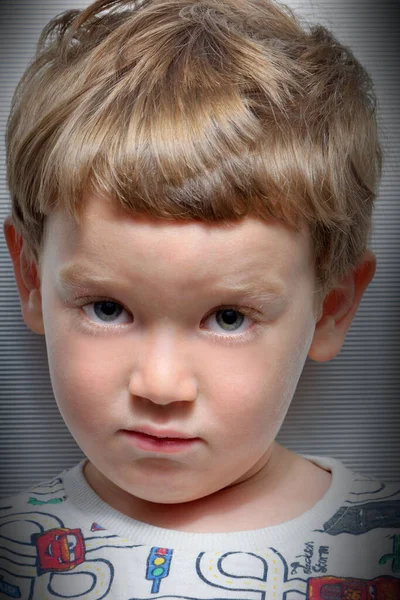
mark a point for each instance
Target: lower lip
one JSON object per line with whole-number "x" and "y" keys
{"x": 154, "y": 444}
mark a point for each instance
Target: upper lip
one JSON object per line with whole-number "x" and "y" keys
{"x": 165, "y": 433}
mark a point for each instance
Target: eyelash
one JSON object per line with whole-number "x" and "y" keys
{"x": 246, "y": 311}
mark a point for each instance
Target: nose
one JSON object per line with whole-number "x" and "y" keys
{"x": 162, "y": 371}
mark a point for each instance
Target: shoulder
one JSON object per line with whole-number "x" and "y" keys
{"x": 40, "y": 532}
{"x": 372, "y": 503}
{"x": 374, "y": 491}
{"x": 48, "y": 496}
{"x": 373, "y": 488}
{"x": 43, "y": 494}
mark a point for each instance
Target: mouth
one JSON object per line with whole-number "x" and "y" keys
{"x": 160, "y": 443}
{"x": 166, "y": 434}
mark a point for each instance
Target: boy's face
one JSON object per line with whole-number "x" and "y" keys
{"x": 161, "y": 356}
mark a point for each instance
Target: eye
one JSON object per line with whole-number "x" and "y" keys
{"x": 105, "y": 310}
{"x": 227, "y": 319}
{"x": 226, "y": 323}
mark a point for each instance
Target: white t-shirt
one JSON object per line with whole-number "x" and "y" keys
{"x": 59, "y": 540}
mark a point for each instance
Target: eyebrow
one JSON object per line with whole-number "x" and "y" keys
{"x": 77, "y": 277}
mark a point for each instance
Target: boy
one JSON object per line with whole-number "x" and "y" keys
{"x": 174, "y": 165}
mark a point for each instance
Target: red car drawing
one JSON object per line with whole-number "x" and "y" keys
{"x": 59, "y": 549}
{"x": 337, "y": 588}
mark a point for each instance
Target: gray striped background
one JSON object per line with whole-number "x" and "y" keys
{"x": 348, "y": 408}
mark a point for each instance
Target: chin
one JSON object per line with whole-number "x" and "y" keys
{"x": 173, "y": 491}
{"x": 159, "y": 495}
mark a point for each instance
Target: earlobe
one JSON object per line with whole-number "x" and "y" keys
{"x": 26, "y": 278}
{"x": 339, "y": 309}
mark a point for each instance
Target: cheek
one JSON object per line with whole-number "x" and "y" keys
{"x": 242, "y": 394}
{"x": 253, "y": 388}
{"x": 84, "y": 374}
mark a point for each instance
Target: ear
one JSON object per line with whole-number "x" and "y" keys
{"x": 27, "y": 280}
{"x": 339, "y": 308}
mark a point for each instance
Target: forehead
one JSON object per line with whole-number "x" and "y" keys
{"x": 110, "y": 238}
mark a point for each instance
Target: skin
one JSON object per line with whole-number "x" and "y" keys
{"x": 170, "y": 366}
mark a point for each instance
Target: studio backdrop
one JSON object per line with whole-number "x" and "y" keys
{"x": 347, "y": 408}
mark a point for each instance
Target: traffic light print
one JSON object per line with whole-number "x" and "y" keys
{"x": 158, "y": 564}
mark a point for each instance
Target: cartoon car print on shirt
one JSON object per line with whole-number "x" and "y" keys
{"x": 337, "y": 588}
{"x": 59, "y": 549}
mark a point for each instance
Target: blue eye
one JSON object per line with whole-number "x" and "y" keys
{"x": 107, "y": 308}
{"x": 230, "y": 317}
{"x": 104, "y": 310}
{"x": 229, "y": 323}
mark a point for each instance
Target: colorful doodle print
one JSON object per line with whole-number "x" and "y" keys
{"x": 47, "y": 554}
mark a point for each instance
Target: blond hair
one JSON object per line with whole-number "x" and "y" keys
{"x": 208, "y": 110}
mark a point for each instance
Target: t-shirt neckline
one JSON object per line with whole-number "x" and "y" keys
{"x": 89, "y": 507}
